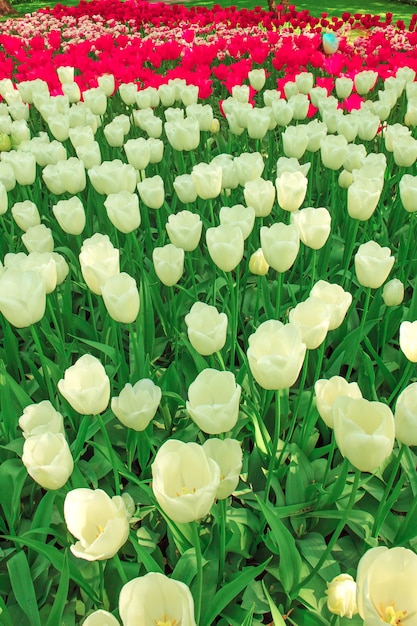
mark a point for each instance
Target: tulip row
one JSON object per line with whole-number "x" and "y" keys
{"x": 206, "y": 360}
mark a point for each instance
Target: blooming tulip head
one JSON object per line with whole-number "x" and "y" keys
{"x": 213, "y": 401}
{"x": 22, "y": 297}
{"x": 99, "y": 260}
{"x": 168, "y": 262}
{"x": 48, "y": 459}
{"x": 312, "y": 319}
{"x": 100, "y": 523}
{"x": 313, "y": 226}
{"x": 373, "y": 263}
{"x": 225, "y": 246}
{"x": 408, "y": 340}
{"x": 121, "y": 298}
{"x": 276, "y": 354}
{"x": 291, "y": 190}
{"x": 364, "y": 431}
{"x": 280, "y": 244}
{"x": 328, "y": 390}
{"x": 206, "y": 328}
{"x": 136, "y": 405}
{"x": 184, "y": 480}
{"x": 184, "y": 230}
{"x": 41, "y": 418}
{"x": 228, "y": 455}
{"x": 156, "y": 599}
{"x": 86, "y": 386}
{"x": 406, "y": 416}
{"x": 385, "y": 590}
{"x": 337, "y": 299}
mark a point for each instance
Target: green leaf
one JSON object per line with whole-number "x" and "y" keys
{"x": 22, "y": 585}
{"x": 276, "y": 615}
{"x": 312, "y": 547}
{"x": 229, "y": 591}
{"x": 60, "y": 601}
{"x": 56, "y": 558}
{"x": 186, "y": 567}
{"x": 12, "y": 478}
{"x": 290, "y": 559}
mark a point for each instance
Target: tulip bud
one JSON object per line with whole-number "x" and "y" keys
{"x": 364, "y": 431}
{"x": 249, "y": 166}
{"x": 70, "y": 215}
{"x": 408, "y": 340}
{"x": 136, "y": 405}
{"x": 121, "y": 298}
{"x": 168, "y": 263}
{"x": 112, "y": 177}
{"x": 229, "y": 170}
{"x": 206, "y": 328}
{"x": 213, "y": 401}
{"x": 258, "y": 264}
{"x": 341, "y": 596}
{"x": 282, "y": 112}
{"x": 100, "y": 523}
{"x": 258, "y": 122}
{"x": 227, "y": 453}
{"x": 373, "y": 263}
{"x": 86, "y": 386}
{"x": 137, "y": 602}
{"x": 330, "y": 43}
{"x": 225, "y": 245}
{"x": 405, "y": 151}
{"x": 328, "y": 390}
{"x": 363, "y": 198}
{"x": 393, "y": 292}
{"x": 123, "y": 211}
{"x": 100, "y": 618}
{"x": 137, "y": 152}
{"x": 291, "y": 190}
{"x": 38, "y": 239}
{"x": 65, "y": 176}
{"x": 203, "y": 113}
{"x": 280, "y": 244}
{"x": 276, "y": 354}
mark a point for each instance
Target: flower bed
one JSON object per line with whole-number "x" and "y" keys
{"x": 208, "y": 317}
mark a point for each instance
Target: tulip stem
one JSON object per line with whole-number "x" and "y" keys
{"x": 350, "y": 244}
{"x": 274, "y": 447}
{"x": 359, "y": 332}
{"x": 46, "y": 373}
{"x": 234, "y": 298}
{"x": 278, "y": 294}
{"x": 383, "y": 510}
{"x": 404, "y": 378}
{"x": 222, "y": 555}
{"x": 198, "y": 589}
{"x": 112, "y": 456}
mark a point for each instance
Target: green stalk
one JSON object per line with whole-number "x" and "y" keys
{"x": 46, "y": 373}
{"x": 198, "y": 591}
{"x": 112, "y": 456}
{"x": 274, "y": 447}
{"x": 359, "y": 332}
{"x": 383, "y": 509}
{"x": 222, "y": 532}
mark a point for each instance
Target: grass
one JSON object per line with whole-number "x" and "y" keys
{"x": 400, "y": 10}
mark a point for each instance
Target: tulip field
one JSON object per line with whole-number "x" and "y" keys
{"x": 208, "y": 317}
